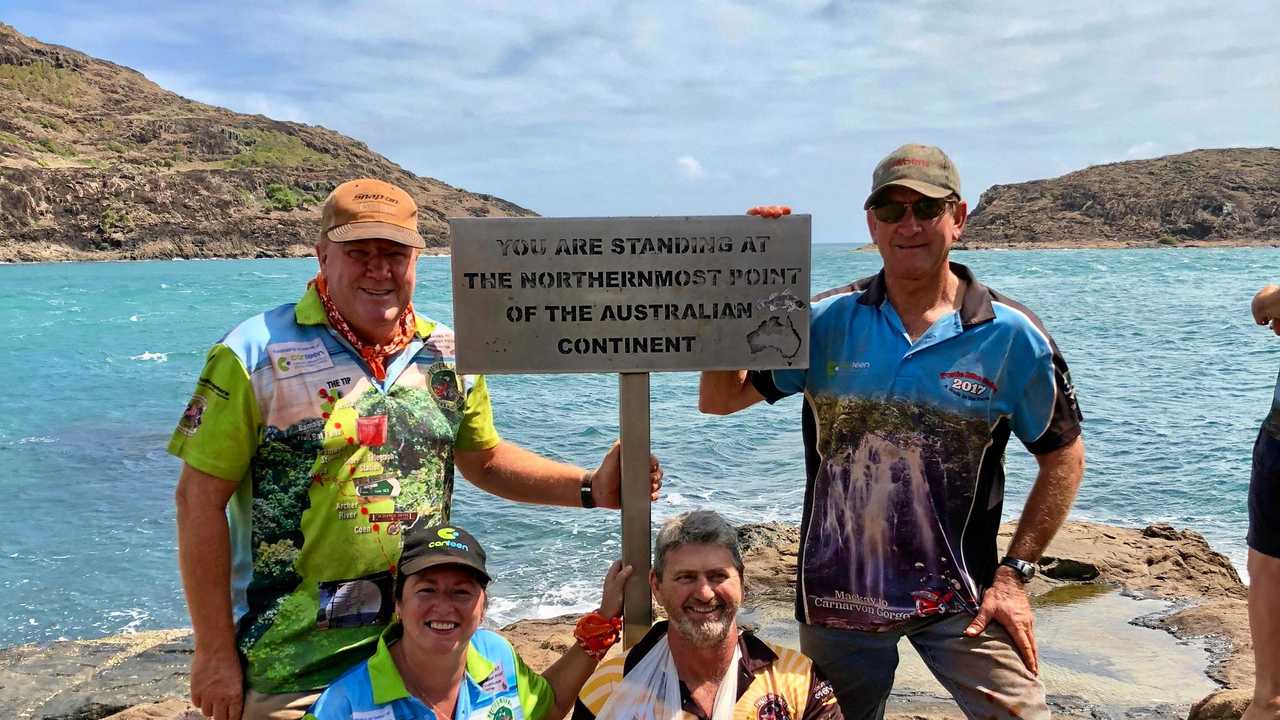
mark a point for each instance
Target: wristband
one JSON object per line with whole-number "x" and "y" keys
{"x": 596, "y": 633}
{"x": 584, "y": 491}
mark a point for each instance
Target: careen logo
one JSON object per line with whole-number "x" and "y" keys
{"x": 447, "y": 533}
{"x": 283, "y": 363}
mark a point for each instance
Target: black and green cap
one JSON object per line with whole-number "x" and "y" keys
{"x": 923, "y": 168}
{"x": 441, "y": 545}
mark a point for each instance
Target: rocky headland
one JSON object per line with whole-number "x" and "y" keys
{"x": 1203, "y": 198}
{"x": 145, "y": 675}
{"x": 99, "y": 163}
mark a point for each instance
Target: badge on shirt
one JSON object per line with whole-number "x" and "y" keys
{"x": 298, "y": 358}
{"x": 192, "y": 416}
{"x": 772, "y": 707}
{"x": 382, "y": 713}
{"x": 502, "y": 708}
{"x": 496, "y": 682}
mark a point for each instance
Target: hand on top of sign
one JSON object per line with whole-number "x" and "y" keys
{"x": 1266, "y": 307}
{"x": 606, "y": 480}
{"x": 770, "y": 211}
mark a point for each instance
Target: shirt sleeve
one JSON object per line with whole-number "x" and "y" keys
{"x": 777, "y": 384}
{"x": 821, "y": 703}
{"x": 331, "y": 705}
{"x": 222, "y": 425}
{"x": 536, "y": 695}
{"x": 596, "y": 691}
{"x": 477, "y": 431}
{"x": 1046, "y": 416}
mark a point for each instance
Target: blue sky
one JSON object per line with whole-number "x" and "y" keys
{"x": 605, "y": 108}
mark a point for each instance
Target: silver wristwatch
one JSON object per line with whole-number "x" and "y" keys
{"x": 1025, "y": 570}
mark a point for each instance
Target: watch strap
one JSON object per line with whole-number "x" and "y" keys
{"x": 1025, "y": 570}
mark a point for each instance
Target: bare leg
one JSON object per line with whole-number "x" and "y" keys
{"x": 1264, "y": 624}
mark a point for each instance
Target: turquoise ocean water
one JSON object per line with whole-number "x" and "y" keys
{"x": 1173, "y": 380}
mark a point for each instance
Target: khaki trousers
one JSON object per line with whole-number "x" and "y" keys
{"x": 285, "y": 706}
{"x": 984, "y": 674}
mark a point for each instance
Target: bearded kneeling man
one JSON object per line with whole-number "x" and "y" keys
{"x": 698, "y": 664}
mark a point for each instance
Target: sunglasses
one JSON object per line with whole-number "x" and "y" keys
{"x": 923, "y": 209}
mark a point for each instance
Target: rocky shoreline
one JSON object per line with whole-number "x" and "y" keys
{"x": 144, "y": 675}
{"x": 38, "y": 253}
{"x": 25, "y": 253}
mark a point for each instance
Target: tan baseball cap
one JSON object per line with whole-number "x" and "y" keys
{"x": 923, "y": 168}
{"x": 367, "y": 209}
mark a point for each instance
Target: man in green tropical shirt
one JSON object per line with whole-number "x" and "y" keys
{"x": 326, "y": 430}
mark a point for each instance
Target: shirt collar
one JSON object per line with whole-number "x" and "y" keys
{"x": 386, "y": 681}
{"x": 310, "y": 311}
{"x": 755, "y": 655}
{"x": 975, "y": 307}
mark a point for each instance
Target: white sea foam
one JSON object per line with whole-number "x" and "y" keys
{"x": 133, "y": 318}
{"x": 156, "y": 356}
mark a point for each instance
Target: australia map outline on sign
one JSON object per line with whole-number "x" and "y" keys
{"x": 777, "y": 332}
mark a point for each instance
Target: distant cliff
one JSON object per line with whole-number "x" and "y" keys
{"x": 97, "y": 162}
{"x": 1202, "y": 198}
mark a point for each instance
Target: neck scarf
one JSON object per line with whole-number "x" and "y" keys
{"x": 651, "y": 691}
{"x": 375, "y": 356}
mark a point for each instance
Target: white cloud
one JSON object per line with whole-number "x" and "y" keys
{"x": 1142, "y": 151}
{"x": 582, "y": 106}
{"x": 690, "y": 166}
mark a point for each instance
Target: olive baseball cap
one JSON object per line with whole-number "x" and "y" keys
{"x": 368, "y": 209}
{"x": 441, "y": 545}
{"x": 923, "y": 168}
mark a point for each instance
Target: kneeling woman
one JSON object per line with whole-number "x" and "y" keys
{"x": 436, "y": 664}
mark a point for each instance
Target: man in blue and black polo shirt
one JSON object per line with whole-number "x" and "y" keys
{"x": 917, "y": 377}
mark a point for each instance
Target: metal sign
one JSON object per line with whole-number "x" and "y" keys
{"x": 633, "y": 294}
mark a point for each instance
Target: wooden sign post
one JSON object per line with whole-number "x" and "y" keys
{"x": 631, "y": 296}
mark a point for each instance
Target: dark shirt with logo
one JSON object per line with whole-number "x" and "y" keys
{"x": 904, "y": 449}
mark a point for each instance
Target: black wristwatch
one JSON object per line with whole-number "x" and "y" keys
{"x": 1024, "y": 569}
{"x": 584, "y": 491}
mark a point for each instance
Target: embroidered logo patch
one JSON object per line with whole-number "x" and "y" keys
{"x": 967, "y": 385}
{"x": 192, "y": 416}
{"x": 502, "y": 708}
{"x": 444, "y": 385}
{"x": 298, "y": 358}
{"x": 772, "y": 707}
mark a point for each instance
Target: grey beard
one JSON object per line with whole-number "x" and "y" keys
{"x": 703, "y": 634}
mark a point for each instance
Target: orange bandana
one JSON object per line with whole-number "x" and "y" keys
{"x": 375, "y": 355}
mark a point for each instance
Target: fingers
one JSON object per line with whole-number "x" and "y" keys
{"x": 655, "y": 477}
{"x": 624, "y": 572}
{"x": 1024, "y": 639}
{"x": 614, "y": 584}
{"x": 770, "y": 211}
{"x": 1029, "y": 652}
{"x": 979, "y": 622}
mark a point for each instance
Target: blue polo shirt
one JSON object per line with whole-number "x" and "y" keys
{"x": 496, "y": 686}
{"x": 904, "y": 448}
